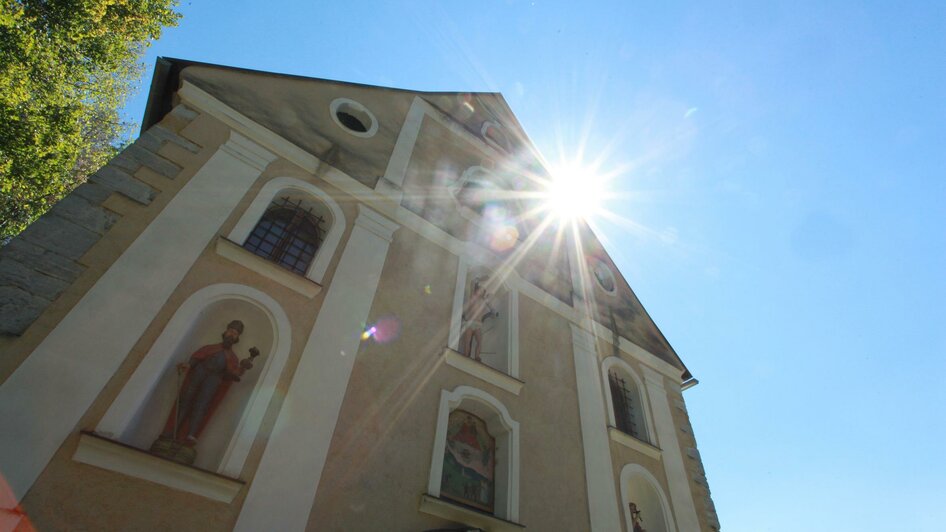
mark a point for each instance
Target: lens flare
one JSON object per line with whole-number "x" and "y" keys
{"x": 383, "y": 331}
{"x": 575, "y": 192}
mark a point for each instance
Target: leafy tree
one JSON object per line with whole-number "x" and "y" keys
{"x": 66, "y": 67}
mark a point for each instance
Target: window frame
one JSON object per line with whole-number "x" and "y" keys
{"x": 464, "y": 265}
{"x": 271, "y": 191}
{"x": 502, "y": 427}
{"x": 625, "y": 369}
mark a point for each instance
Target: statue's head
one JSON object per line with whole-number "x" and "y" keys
{"x": 233, "y": 332}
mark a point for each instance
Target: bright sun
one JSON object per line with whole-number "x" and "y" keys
{"x": 575, "y": 193}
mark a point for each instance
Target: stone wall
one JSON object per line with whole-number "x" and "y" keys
{"x": 43, "y": 260}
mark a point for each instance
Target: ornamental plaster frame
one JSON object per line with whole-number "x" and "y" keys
{"x": 137, "y": 390}
{"x": 464, "y": 264}
{"x": 504, "y": 429}
{"x": 251, "y": 216}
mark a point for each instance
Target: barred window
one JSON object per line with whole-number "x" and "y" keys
{"x": 289, "y": 234}
{"x": 626, "y": 405}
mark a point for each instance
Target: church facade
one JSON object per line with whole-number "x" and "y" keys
{"x": 300, "y": 304}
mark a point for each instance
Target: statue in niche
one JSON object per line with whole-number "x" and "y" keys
{"x": 636, "y": 518}
{"x": 475, "y": 313}
{"x": 206, "y": 379}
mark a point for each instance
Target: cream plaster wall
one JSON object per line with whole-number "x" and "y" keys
{"x": 379, "y": 460}
{"x": 66, "y": 490}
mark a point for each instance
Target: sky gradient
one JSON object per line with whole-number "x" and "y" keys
{"x": 780, "y": 179}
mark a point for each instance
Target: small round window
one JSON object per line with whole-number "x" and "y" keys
{"x": 603, "y": 276}
{"x": 353, "y": 117}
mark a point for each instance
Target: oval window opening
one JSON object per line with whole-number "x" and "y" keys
{"x": 351, "y": 122}
{"x": 353, "y": 117}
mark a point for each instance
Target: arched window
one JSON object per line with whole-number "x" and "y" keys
{"x": 627, "y": 407}
{"x": 293, "y": 223}
{"x": 628, "y": 414}
{"x": 289, "y": 234}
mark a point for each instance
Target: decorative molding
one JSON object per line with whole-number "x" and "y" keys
{"x": 199, "y": 99}
{"x": 467, "y": 516}
{"x": 375, "y": 223}
{"x": 404, "y": 146}
{"x": 232, "y": 251}
{"x": 637, "y": 352}
{"x": 506, "y": 432}
{"x": 338, "y": 104}
{"x": 599, "y": 471}
{"x": 114, "y": 456}
{"x": 482, "y": 371}
{"x": 630, "y": 441}
{"x": 626, "y": 368}
{"x": 678, "y": 481}
{"x": 248, "y": 151}
{"x": 248, "y": 220}
{"x": 456, "y": 312}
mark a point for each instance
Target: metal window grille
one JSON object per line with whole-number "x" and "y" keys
{"x": 622, "y": 397}
{"x": 288, "y": 234}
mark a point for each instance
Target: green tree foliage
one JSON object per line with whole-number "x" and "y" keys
{"x": 66, "y": 67}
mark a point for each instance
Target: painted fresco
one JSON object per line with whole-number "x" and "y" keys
{"x": 469, "y": 462}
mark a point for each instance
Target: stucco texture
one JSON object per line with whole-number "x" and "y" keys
{"x": 379, "y": 460}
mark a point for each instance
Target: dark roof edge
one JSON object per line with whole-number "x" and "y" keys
{"x": 166, "y": 79}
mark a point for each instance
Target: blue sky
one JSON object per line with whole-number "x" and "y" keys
{"x": 784, "y": 169}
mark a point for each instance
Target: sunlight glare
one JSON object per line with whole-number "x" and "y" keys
{"x": 575, "y": 193}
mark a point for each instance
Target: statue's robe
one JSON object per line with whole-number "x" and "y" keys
{"x": 234, "y": 371}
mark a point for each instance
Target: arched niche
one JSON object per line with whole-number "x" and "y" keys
{"x": 500, "y": 349}
{"x": 501, "y": 426}
{"x": 640, "y": 487}
{"x": 138, "y": 414}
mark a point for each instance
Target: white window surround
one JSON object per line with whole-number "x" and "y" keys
{"x": 503, "y": 428}
{"x": 512, "y": 315}
{"x": 633, "y": 443}
{"x": 345, "y": 104}
{"x": 482, "y": 371}
{"x": 121, "y": 414}
{"x": 469, "y": 517}
{"x": 241, "y": 231}
{"x": 228, "y": 249}
{"x": 631, "y": 471}
{"x": 625, "y": 369}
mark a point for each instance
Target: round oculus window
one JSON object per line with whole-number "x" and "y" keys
{"x": 353, "y": 117}
{"x": 604, "y": 276}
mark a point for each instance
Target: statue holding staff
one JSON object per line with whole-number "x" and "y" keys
{"x": 206, "y": 379}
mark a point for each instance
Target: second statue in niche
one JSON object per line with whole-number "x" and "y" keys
{"x": 206, "y": 379}
{"x": 475, "y": 313}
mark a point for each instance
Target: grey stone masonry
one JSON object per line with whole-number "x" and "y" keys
{"x": 120, "y": 181}
{"x": 39, "y": 264}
